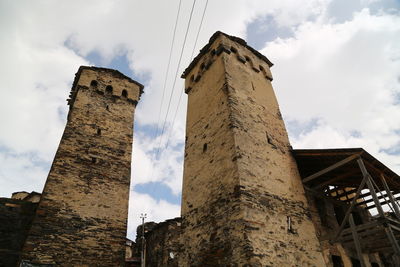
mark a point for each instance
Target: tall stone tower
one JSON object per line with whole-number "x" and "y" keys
{"x": 81, "y": 219}
{"x": 243, "y": 202}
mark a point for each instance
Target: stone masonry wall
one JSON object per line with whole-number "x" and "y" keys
{"x": 82, "y": 217}
{"x": 15, "y": 220}
{"x": 243, "y": 202}
{"x": 163, "y": 247}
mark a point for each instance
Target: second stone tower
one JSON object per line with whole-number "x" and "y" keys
{"x": 242, "y": 201}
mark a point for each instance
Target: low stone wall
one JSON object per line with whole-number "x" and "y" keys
{"x": 15, "y": 220}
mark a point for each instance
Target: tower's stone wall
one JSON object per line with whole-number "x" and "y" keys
{"x": 81, "y": 219}
{"x": 243, "y": 200}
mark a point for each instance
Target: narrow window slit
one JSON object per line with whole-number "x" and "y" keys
{"x": 109, "y": 89}
{"x": 124, "y": 93}
{"x": 205, "y": 147}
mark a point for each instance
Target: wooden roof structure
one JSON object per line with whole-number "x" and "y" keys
{"x": 344, "y": 171}
{"x": 354, "y": 178}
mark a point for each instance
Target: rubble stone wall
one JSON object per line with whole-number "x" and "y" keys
{"x": 243, "y": 202}
{"x": 82, "y": 216}
{"x": 15, "y": 220}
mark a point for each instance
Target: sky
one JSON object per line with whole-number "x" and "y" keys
{"x": 336, "y": 76}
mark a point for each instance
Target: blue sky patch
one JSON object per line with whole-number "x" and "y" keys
{"x": 265, "y": 29}
{"x": 158, "y": 191}
{"x": 296, "y": 128}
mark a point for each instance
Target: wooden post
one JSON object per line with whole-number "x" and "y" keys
{"x": 348, "y": 212}
{"x": 393, "y": 241}
{"x": 389, "y": 193}
{"x": 356, "y": 240}
{"x": 371, "y": 187}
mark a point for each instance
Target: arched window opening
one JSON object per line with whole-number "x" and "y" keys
{"x": 234, "y": 50}
{"x": 109, "y": 89}
{"x": 94, "y": 83}
{"x": 192, "y": 78}
{"x": 202, "y": 66}
{"x": 124, "y": 93}
{"x": 98, "y": 131}
{"x": 247, "y": 58}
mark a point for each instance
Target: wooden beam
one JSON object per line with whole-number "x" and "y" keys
{"x": 366, "y": 235}
{"x": 381, "y": 203}
{"x": 356, "y": 240}
{"x": 364, "y": 226}
{"x": 330, "y": 168}
{"x": 321, "y": 195}
{"x": 393, "y": 240}
{"x": 345, "y": 193}
{"x": 348, "y": 212}
{"x": 362, "y": 195}
{"x": 371, "y": 199}
{"x": 371, "y": 187}
{"x": 392, "y": 199}
{"x": 334, "y": 179}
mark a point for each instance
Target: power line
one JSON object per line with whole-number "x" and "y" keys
{"x": 172, "y": 91}
{"x": 198, "y": 31}
{"x": 155, "y": 134}
{"x": 168, "y": 66}
{"x": 191, "y": 57}
{"x": 176, "y": 74}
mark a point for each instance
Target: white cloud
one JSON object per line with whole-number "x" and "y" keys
{"x": 150, "y": 164}
{"x": 346, "y": 76}
{"x": 17, "y": 171}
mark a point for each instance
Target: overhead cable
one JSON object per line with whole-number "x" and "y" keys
{"x": 191, "y": 57}
{"x": 176, "y": 74}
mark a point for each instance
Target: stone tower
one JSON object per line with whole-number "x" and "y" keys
{"x": 243, "y": 202}
{"x": 81, "y": 219}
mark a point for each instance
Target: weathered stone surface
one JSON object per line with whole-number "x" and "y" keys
{"x": 243, "y": 202}
{"x": 163, "y": 247}
{"x": 81, "y": 219}
{"x": 15, "y": 220}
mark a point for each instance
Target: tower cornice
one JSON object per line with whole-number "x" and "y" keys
{"x": 206, "y": 49}
{"x": 221, "y": 43}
